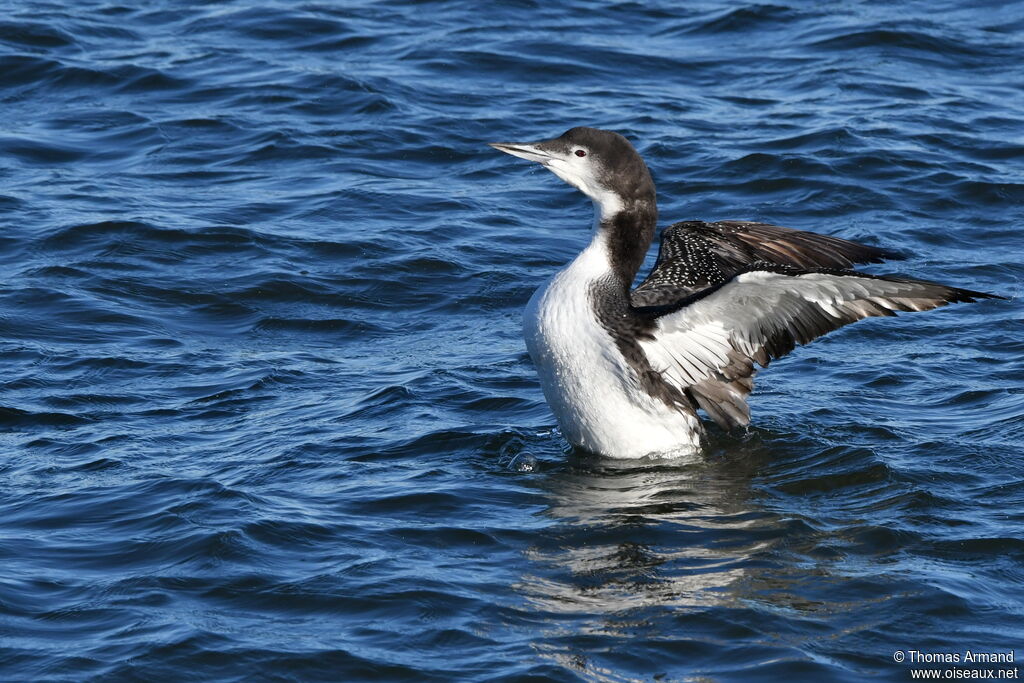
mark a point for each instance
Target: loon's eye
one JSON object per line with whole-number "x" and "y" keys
{"x": 581, "y": 153}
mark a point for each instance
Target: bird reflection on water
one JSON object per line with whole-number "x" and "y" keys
{"x": 633, "y": 534}
{"x": 646, "y": 549}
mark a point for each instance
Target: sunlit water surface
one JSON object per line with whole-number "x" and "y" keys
{"x": 266, "y": 413}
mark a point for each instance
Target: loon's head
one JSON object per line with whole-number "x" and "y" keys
{"x": 600, "y": 163}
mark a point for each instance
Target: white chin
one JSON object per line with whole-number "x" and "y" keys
{"x": 573, "y": 179}
{"x": 608, "y": 204}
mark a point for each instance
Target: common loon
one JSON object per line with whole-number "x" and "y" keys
{"x": 625, "y": 371}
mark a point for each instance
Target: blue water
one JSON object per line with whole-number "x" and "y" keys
{"x": 266, "y": 413}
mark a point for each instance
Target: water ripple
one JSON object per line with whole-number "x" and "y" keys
{"x": 266, "y": 405}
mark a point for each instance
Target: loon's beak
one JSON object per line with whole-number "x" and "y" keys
{"x": 524, "y": 150}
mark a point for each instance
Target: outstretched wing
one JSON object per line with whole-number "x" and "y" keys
{"x": 695, "y": 255}
{"x": 706, "y": 346}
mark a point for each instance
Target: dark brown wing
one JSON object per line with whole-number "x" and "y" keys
{"x": 695, "y": 255}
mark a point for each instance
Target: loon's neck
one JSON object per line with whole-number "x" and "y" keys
{"x": 624, "y": 229}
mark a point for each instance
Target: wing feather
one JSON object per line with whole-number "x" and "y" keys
{"x": 707, "y": 345}
{"x": 695, "y": 255}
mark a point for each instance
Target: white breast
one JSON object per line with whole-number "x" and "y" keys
{"x": 588, "y": 384}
